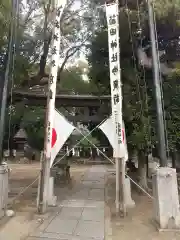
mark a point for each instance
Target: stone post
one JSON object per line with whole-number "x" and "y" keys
{"x": 4, "y": 173}
{"x": 166, "y": 200}
{"x": 128, "y": 199}
{"x": 52, "y": 199}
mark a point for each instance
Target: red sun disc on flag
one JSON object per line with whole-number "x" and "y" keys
{"x": 123, "y": 135}
{"x": 54, "y": 137}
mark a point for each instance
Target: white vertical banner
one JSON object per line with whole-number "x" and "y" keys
{"x": 106, "y": 127}
{"x": 115, "y": 77}
{"x": 55, "y": 52}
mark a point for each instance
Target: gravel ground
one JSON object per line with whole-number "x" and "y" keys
{"x": 138, "y": 224}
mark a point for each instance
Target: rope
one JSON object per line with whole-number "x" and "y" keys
{"x": 85, "y": 137}
{"x": 142, "y": 189}
{"x": 23, "y": 191}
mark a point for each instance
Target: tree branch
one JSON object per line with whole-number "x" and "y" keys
{"x": 69, "y": 54}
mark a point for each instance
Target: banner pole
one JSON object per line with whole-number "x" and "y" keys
{"x": 57, "y": 9}
{"x": 112, "y": 15}
{"x": 117, "y": 164}
{"x": 123, "y": 209}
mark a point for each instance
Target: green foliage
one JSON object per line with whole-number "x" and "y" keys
{"x": 172, "y": 106}
{"x": 33, "y": 123}
{"x": 138, "y": 96}
{"x": 98, "y": 62}
{"x": 138, "y": 99}
{"x": 85, "y": 142}
{"x": 135, "y": 99}
{"x": 165, "y": 7}
{"x": 71, "y": 80}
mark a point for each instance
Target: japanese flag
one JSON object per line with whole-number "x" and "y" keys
{"x": 62, "y": 129}
{"x": 107, "y": 128}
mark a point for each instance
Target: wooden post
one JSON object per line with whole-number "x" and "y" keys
{"x": 117, "y": 162}
{"x": 123, "y": 210}
{"x": 120, "y": 187}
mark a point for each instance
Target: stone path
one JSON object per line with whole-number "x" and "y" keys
{"x": 81, "y": 215}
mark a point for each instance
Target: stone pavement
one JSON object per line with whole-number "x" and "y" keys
{"x": 82, "y": 215}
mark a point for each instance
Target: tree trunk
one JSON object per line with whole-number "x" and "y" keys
{"x": 47, "y": 41}
{"x": 43, "y": 60}
{"x": 173, "y": 156}
{"x": 147, "y": 165}
{"x": 142, "y": 170}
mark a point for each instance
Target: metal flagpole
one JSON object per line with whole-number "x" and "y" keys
{"x": 57, "y": 9}
{"x": 156, "y": 72}
{"x": 112, "y": 14}
{"x": 5, "y": 81}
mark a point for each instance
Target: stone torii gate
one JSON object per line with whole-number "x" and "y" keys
{"x": 89, "y": 108}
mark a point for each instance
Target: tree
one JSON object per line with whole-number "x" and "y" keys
{"x": 33, "y": 122}
{"x": 14, "y": 119}
{"x": 34, "y": 38}
{"x": 73, "y": 37}
{"x": 71, "y": 80}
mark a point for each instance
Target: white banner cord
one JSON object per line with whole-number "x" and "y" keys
{"x": 95, "y": 146}
{"x": 114, "y": 163}
{"x": 79, "y": 141}
{"x": 85, "y": 137}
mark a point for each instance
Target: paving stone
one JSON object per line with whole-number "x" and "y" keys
{"x": 99, "y": 185}
{"x": 98, "y": 169}
{"x": 94, "y": 177}
{"x": 70, "y": 213}
{"x": 97, "y": 191}
{"x": 96, "y": 194}
{"x": 65, "y": 237}
{"x": 85, "y": 238}
{"x": 87, "y": 183}
{"x": 93, "y": 214}
{"x": 50, "y": 236}
{"x": 80, "y": 194}
{"x": 73, "y": 203}
{"x": 93, "y": 184}
{"x": 64, "y": 202}
{"x": 35, "y": 238}
{"x": 94, "y": 204}
{"x": 90, "y": 229}
{"x": 76, "y": 203}
{"x": 81, "y": 212}
{"x": 36, "y": 234}
{"x": 65, "y": 226}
